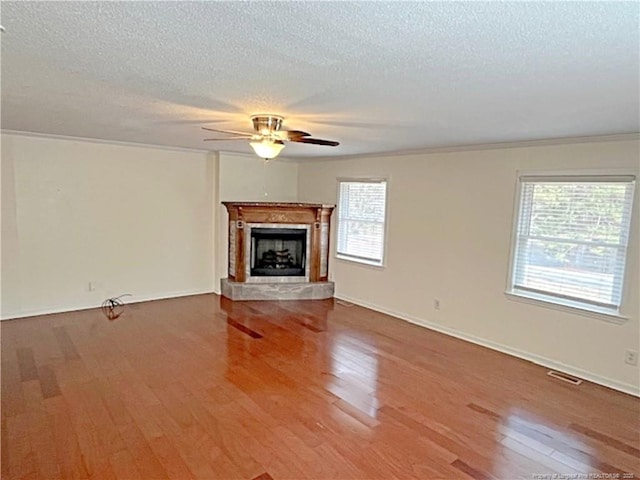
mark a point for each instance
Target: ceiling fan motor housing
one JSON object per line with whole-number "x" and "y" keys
{"x": 265, "y": 124}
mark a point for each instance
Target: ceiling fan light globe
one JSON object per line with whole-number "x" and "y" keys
{"x": 267, "y": 149}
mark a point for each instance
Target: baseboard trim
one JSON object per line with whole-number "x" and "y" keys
{"x": 127, "y": 300}
{"x": 531, "y": 357}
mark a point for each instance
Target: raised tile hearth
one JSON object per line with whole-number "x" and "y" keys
{"x": 278, "y": 251}
{"x": 277, "y": 291}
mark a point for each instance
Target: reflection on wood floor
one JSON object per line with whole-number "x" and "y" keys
{"x": 201, "y": 387}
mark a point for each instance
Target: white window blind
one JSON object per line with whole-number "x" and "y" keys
{"x": 361, "y": 220}
{"x": 571, "y": 240}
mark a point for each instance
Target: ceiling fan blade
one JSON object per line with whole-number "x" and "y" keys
{"x": 223, "y": 139}
{"x": 232, "y": 132}
{"x": 296, "y": 133}
{"x": 289, "y": 134}
{"x": 190, "y": 121}
{"x": 315, "y": 141}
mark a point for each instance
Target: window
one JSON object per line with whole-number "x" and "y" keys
{"x": 361, "y": 220}
{"x": 571, "y": 240}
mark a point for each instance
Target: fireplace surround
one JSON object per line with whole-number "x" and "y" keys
{"x": 278, "y": 251}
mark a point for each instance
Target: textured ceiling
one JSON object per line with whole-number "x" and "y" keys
{"x": 376, "y": 76}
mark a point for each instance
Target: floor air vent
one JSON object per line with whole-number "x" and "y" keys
{"x": 344, "y": 303}
{"x": 564, "y": 377}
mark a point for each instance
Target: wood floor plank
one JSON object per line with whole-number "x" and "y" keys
{"x": 22, "y": 461}
{"x": 123, "y": 467}
{"x": 184, "y": 443}
{"x": 41, "y": 433}
{"x": 606, "y": 439}
{"x": 144, "y": 421}
{"x": 304, "y": 457}
{"x": 93, "y": 443}
{"x": 65, "y": 343}
{"x": 4, "y": 449}
{"x": 27, "y": 365}
{"x": 243, "y": 328}
{"x": 43, "y": 443}
{"x": 551, "y": 464}
{"x": 202, "y": 387}
{"x": 68, "y": 454}
{"x": 170, "y": 459}
{"x": 113, "y": 402}
{"x": 146, "y": 461}
{"x": 87, "y": 394}
{"x": 471, "y": 471}
{"x": 263, "y": 476}
{"x": 11, "y": 392}
{"x": 48, "y": 382}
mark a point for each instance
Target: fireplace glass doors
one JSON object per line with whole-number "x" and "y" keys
{"x": 278, "y": 252}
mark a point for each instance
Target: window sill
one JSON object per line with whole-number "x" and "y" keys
{"x": 360, "y": 261}
{"x": 568, "y": 307}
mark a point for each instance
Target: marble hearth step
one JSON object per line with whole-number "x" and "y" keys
{"x": 276, "y": 291}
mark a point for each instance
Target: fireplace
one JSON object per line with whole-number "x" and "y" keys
{"x": 278, "y": 251}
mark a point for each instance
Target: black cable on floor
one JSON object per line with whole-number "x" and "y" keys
{"x": 113, "y": 307}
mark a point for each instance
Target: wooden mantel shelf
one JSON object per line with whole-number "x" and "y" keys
{"x": 277, "y": 205}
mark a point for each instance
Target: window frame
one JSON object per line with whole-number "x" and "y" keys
{"x": 352, "y": 258}
{"x": 556, "y": 302}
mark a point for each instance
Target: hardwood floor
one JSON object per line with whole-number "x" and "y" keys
{"x": 201, "y": 387}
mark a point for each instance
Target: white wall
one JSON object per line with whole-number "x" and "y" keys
{"x": 246, "y": 178}
{"x": 450, "y": 223}
{"x": 130, "y": 219}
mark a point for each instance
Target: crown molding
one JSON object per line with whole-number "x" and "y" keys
{"x": 632, "y": 136}
{"x": 102, "y": 141}
{"x": 619, "y": 137}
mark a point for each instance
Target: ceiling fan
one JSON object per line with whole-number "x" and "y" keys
{"x": 268, "y": 139}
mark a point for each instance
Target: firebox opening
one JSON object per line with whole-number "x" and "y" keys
{"x": 278, "y": 252}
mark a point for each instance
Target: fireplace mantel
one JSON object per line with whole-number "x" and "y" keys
{"x": 311, "y": 218}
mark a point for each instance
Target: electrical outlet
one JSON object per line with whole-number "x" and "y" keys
{"x": 92, "y": 286}
{"x": 436, "y": 304}
{"x": 631, "y": 357}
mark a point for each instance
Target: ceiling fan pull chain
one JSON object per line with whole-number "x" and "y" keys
{"x": 265, "y": 161}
